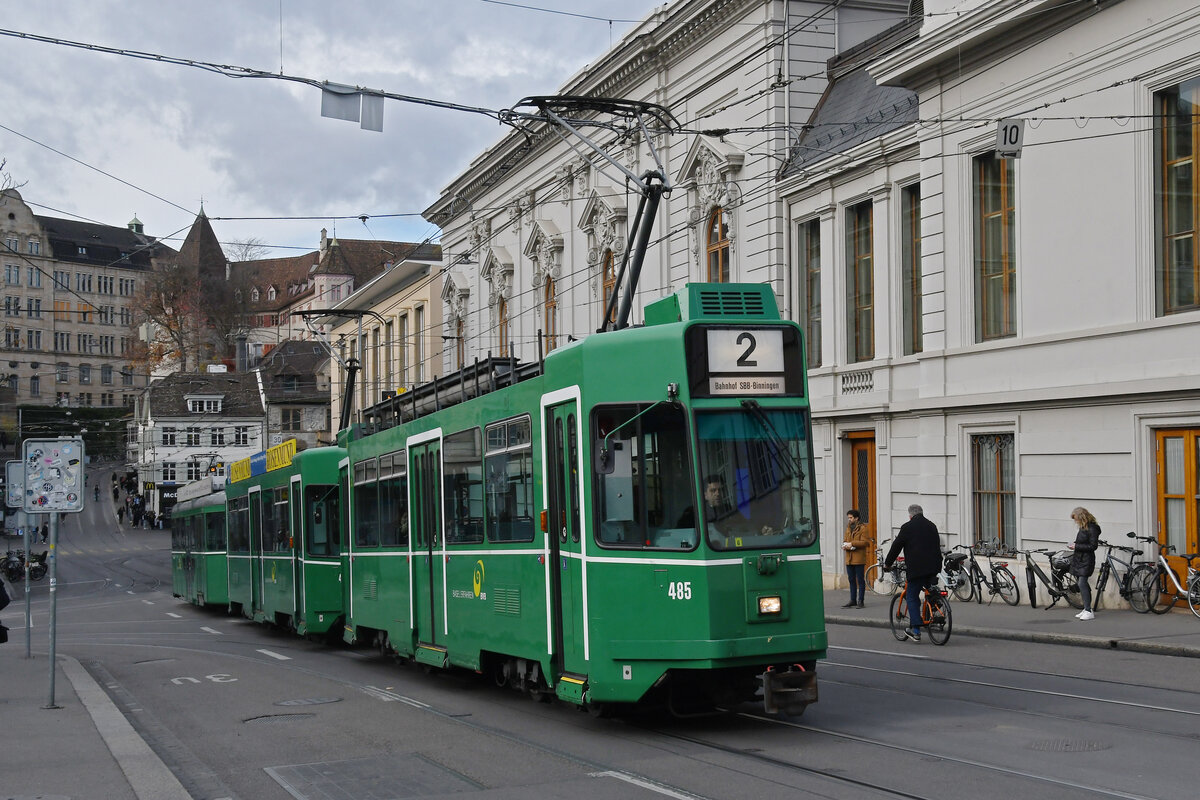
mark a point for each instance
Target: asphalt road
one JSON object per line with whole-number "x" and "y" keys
{"x": 238, "y": 710}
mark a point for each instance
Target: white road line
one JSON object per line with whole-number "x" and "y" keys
{"x": 878, "y": 652}
{"x": 148, "y": 602}
{"x": 391, "y": 697}
{"x": 645, "y": 784}
{"x": 275, "y": 655}
{"x": 127, "y": 591}
{"x": 210, "y": 630}
{"x": 176, "y": 616}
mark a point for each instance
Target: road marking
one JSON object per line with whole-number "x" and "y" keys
{"x": 176, "y": 616}
{"x": 392, "y": 697}
{"x": 275, "y": 655}
{"x": 878, "y": 652}
{"x": 645, "y": 784}
{"x": 210, "y": 630}
{"x": 148, "y": 602}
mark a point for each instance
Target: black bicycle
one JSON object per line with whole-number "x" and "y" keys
{"x": 1060, "y": 584}
{"x": 968, "y": 580}
{"x": 1131, "y": 576}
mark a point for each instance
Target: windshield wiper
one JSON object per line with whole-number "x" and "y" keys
{"x": 779, "y": 445}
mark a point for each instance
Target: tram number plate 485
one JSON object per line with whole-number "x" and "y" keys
{"x": 679, "y": 590}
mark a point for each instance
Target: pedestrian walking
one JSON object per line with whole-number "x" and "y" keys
{"x": 45, "y": 532}
{"x": 120, "y": 514}
{"x": 1083, "y": 557}
{"x": 918, "y": 539}
{"x": 856, "y": 545}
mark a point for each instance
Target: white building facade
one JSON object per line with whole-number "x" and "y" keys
{"x": 1001, "y": 340}
{"x": 534, "y": 234}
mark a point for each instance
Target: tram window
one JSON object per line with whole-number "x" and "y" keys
{"x": 283, "y": 527}
{"x": 393, "y": 500}
{"x": 214, "y": 531}
{"x": 757, "y": 484}
{"x": 462, "y": 487}
{"x": 643, "y": 501}
{"x": 239, "y": 525}
{"x": 321, "y": 508}
{"x": 509, "y": 470}
{"x": 366, "y": 504}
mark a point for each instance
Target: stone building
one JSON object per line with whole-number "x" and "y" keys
{"x": 69, "y": 294}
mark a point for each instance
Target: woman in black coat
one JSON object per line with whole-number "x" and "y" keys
{"x": 1083, "y": 560}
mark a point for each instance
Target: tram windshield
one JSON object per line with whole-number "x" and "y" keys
{"x": 756, "y": 486}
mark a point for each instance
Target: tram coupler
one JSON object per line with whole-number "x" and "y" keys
{"x": 788, "y": 691}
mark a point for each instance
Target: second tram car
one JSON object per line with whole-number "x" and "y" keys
{"x": 285, "y": 527}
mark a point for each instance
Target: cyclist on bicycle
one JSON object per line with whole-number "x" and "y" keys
{"x": 922, "y": 547}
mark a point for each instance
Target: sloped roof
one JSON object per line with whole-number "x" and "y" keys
{"x": 105, "y": 245}
{"x": 360, "y": 259}
{"x": 238, "y": 390}
{"x": 299, "y": 360}
{"x": 201, "y": 251}
{"x": 854, "y": 108}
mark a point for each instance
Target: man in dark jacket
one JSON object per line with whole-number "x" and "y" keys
{"x": 922, "y": 547}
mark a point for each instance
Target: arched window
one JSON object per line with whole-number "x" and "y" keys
{"x": 502, "y": 325}
{"x": 718, "y": 247}
{"x": 254, "y": 295}
{"x": 608, "y": 284}
{"x": 551, "y": 326}
{"x": 460, "y": 341}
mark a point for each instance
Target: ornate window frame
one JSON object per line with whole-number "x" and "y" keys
{"x": 606, "y": 230}
{"x": 708, "y": 175}
{"x": 544, "y": 247}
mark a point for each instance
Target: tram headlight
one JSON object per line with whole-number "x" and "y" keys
{"x": 769, "y": 605}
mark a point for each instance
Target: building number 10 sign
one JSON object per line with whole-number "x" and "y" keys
{"x": 53, "y": 475}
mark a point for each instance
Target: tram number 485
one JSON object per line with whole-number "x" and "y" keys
{"x": 679, "y": 590}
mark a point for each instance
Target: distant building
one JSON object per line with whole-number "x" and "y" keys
{"x": 295, "y": 380}
{"x": 70, "y": 289}
{"x": 188, "y": 425}
{"x": 393, "y": 326}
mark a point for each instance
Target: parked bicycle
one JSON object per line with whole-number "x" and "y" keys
{"x": 1060, "y": 584}
{"x": 1158, "y": 587}
{"x": 1131, "y": 576}
{"x": 884, "y": 581}
{"x": 935, "y": 614}
{"x": 969, "y": 580}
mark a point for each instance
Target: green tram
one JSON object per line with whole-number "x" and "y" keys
{"x": 199, "y": 572}
{"x": 632, "y": 518}
{"x": 284, "y": 521}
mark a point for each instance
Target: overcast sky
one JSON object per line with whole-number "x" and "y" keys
{"x": 103, "y": 137}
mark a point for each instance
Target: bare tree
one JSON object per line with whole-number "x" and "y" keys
{"x": 251, "y": 249}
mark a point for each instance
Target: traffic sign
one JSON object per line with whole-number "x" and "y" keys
{"x": 53, "y": 475}
{"x": 1010, "y": 135}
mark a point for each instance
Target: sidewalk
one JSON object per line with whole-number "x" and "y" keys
{"x": 1176, "y": 633}
{"x": 83, "y": 748}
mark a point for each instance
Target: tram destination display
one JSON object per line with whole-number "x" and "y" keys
{"x": 727, "y": 361}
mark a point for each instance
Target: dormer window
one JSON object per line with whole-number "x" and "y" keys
{"x": 271, "y": 293}
{"x": 204, "y": 404}
{"x": 254, "y": 295}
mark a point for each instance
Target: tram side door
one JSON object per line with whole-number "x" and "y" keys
{"x": 425, "y": 466}
{"x": 256, "y": 550}
{"x": 563, "y": 534}
{"x": 299, "y": 539}
{"x": 189, "y": 556}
